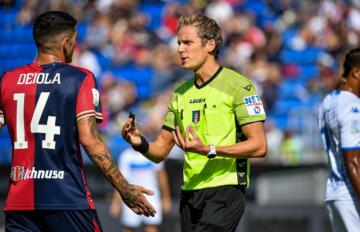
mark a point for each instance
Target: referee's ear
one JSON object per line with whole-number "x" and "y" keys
{"x": 210, "y": 45}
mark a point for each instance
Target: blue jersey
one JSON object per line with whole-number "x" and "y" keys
{"x": 41, "y": 105}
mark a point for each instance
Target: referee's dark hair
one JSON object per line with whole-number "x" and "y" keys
{"x": 352, "y": 59}
{"x": 49, "y": 25}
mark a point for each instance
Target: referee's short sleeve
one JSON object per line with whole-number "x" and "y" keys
{"x": 170, "y": 117}
{"x": 248, "y": 106}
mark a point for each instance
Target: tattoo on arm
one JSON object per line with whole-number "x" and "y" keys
{"x": 101, "y": 157}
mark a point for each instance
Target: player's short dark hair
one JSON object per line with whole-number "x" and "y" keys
{"x": 352, "y": 59}
{"x": 50, "y": 24}
{"x": 207, "y": 29}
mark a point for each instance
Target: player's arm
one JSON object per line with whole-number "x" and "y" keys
{"x": 155, "y": 151}
{"x": 350, "y": 142}
{"x": 98, "y": 152}
{"x": 352, "y": 164}
{"x": 255, "y": 146}
{"x": 1, "y": 126}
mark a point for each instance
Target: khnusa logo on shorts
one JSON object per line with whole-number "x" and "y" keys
{"x": 20, "y": 173}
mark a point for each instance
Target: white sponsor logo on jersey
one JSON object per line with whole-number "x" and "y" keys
{"x": 96, "y": 97}
{"x": 254, "y": 105}
{"x": 20, "y": 173}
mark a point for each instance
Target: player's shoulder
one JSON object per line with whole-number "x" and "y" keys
{"x": 78, "y": 69}
{"x": 350, "y": 103}
{"x": 16, "y": 70}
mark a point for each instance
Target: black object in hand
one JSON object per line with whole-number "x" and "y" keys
{"x": 132, "y": 115}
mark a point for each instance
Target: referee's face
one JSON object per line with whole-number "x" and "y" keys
{"x": 193, "y": 54}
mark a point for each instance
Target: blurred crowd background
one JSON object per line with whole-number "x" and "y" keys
{"x": 292, "y": 50}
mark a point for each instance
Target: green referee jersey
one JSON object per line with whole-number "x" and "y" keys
{"x": 216, "y": 110}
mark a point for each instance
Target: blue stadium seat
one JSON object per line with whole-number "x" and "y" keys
{"x": 5, "y": 147}
{"x": 139, "y": 76}
{"x": 291, "y": 90}
{"x": 155, "y": 12}
{"x": 116, "y": 145}
{"x": 81, "y": 29}
{"x": 282, "y": 122}
{"x": 308, "y": 56}
{"x": 104, "y": 61}
{"x": 288, "y": 35}
{"x": 8, "y": 17}
{"x": 282, "y": 106}
{"x": 144, "y": 92}
{"x": 308, "y": 72}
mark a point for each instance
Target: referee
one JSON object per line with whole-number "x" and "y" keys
{"x": 216, "y": 117}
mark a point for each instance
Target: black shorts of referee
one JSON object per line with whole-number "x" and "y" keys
{"x": 217, "y": 209}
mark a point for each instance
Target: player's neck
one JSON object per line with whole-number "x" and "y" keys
{"x": 207, "y": 70}
{"x": 47, "y": 58}
{"x": 351, "y": 86}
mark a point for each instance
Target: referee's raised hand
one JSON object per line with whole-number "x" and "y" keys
{"x": 130, "y": 133}
{"x": 193, "y": 143}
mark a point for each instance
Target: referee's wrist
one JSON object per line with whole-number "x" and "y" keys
{"x": 143, "y": 147}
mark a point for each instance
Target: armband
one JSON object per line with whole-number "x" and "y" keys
{"x": 143, "y": 147}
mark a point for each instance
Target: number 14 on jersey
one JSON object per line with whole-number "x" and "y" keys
{"x": 49, "y": 129}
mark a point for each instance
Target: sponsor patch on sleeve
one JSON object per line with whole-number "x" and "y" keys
{"x": 254, "y": 105}
{"x": 355, "y": 127}
{"x": 96, "y": 97}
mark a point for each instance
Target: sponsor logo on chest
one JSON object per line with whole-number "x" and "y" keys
{"x": 20, "y": 173}
{"x": 198, "y": 100}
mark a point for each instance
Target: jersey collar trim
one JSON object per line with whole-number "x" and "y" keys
{"x": 208, "y": 81}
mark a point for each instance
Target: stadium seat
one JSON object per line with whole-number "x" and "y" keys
{"x": 139, "y": 76}
{"x": 8, "y": 17}
{"x": 308, "y": 72}
{"x": 116, "y": 145}
{"x": 155, "y": 12}
{"x": 143, "y": 92}
{"x": 282, "y": 106}
{"x": 291, "y": 90}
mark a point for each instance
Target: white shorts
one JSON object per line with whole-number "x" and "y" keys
{"x": 344, "y": 216}
{"x": 132, "y": 220}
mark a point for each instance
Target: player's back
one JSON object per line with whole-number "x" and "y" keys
{"x": 40, "y": 105}
{"x": 335, "y": 117}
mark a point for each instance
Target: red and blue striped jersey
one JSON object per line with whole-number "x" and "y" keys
{"x": 40, "y": 104}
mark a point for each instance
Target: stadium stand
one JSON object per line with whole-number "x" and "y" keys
{"x": 126, "y": 46}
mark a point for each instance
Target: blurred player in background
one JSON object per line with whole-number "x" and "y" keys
{"x": 49, "y": 107}
{"x": 221, "y": 117}
{"x": 137, "y": 169}
{"x": 339, "y": 121}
